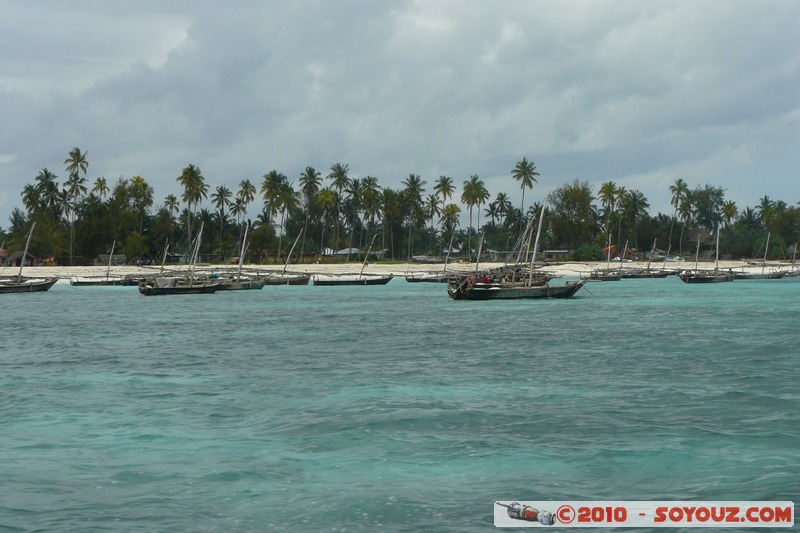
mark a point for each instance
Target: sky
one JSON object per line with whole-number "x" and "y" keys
{"x": 636, "y": 92}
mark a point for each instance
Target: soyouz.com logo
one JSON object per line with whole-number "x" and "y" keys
{"x": 644, "y": 513}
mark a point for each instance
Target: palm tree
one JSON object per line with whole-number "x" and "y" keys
{"x": 221, "y": 199}
{"x": 310, "y": 182}
{"x": 47, "y": 187}
{"x": 339, "y": 182}
{"x": 141, "y": 197}
{"x": 729, "y": 212}
{"x": 685, "y": 208}
{"x": 434, "y": 209}
{"x": 76, "y": 162}
{"x": 608, "y": 197}
{"x": 413, "y": 191}
{"x": 101, "y": 187}
{"x": 679, "y": 191}
{"x": 286, "y": 200}
{"x": 327, "y": 200}
{"x": 450, "y": 219}
{"x": 195, "y": 190}
{"x": 171, "y": 204}
{"x": 504, "y": 208}
{"x": 247, "y": 193}
{"x": 472, "y": 195}
{"x": 444, "y": 187}
{"x": 766, "y": 211}
{"x": 31, "y": 198}
{"x": 481, "y": 195}
{"x": 525, "y": 173}
{"x": 635, "y": 206}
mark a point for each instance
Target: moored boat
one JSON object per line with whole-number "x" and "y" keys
{"x": 18, "y": 283}
{"x": 168, "y": 285}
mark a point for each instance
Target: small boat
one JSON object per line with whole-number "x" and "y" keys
{"x": 18, "y": 283}
{"x": 354, "y": 279}
{"x": 172, "y": 285}
{"x": 287, "y": 278}
{"x": 475, "y": 288}
{"x": 429, "y": 277}
{"x": 188, "y": 284}
{"x": 706, "y": 275}
{"x": 22, "y": 284}
{"x": 239, "y": 283}
{"x": 773, "y": 274}
{"x": 108, "y": 280}
{"x": 500, "y": 291}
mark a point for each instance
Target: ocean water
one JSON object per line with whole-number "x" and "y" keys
{"x": 389, "y": 408}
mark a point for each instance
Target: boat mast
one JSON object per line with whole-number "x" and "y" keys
{"x": 164, "y": 259}
{"x": 366, "y": 257}
{"x": 447, "y": 257}
{"x": 241, "y": 254}
{"x": 716, "y": 253}
{"x": 25, "y": 253}
{"x": 291, "y": 251}
{"x": 478, "y": 259}
{"x": 195, "y": 253}
{"x": 536, "y": 245}
{"x": 764, "y": 265}
{"x": 652, "y": 251}
{"x": 110, "y": 257}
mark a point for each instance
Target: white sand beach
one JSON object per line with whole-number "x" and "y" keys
{"x": 573, "y": 269}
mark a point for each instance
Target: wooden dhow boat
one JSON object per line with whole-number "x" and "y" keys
{"x": 478, "y": 288}
{"x": 706, "y": 275}
{"x": 354, "y": 279}
{"x": 19, "y": 283}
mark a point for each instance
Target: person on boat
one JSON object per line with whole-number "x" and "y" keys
{"x": 485, "y": 279}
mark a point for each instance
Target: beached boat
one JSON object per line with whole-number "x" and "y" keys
{"x": 107, "y": 280}
{"x": 481, "y": 288}
{"x": 429, "y": 277}
{"x": 18, "y": 283}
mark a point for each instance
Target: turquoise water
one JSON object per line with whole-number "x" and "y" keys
{"x": 389, "y": 408}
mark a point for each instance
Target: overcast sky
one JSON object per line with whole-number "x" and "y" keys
{"x": 638, "y": 92}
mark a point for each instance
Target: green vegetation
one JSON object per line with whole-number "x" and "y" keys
{"x": 77, "y": 221}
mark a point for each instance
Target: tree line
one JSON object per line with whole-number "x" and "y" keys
{"x": 78, "y": 220}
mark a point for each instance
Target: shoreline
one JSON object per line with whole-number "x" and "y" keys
{"x": 575, "y": 269}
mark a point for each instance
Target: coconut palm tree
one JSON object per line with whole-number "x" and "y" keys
{"x": 247, "y": 193}
{"x": 47, "y": 187}
{"x": 679, "y": 191}
{"x": 221, "y": 199}
{"x": 340, "y": 181}
{"x": 729, "y": 212}
{"x": 474, "y": 193}
{"x": 286, "y": 199}
{"x": 195, "y": 190}
{"x": 608, "y": 197}
{"x": 31, "y": 198}
{"x": 634, "y": 208}
{"x": 433, "y": 209}
{"x": 310, "y": 181}
{"x": 171, "y": 204}
{"x": 413, "y": 191}
{"x": 100, "y": 187}
{"x": 141, "y": 194}
{"x": 525, "y": 173}
{"x": 327, "y": 200}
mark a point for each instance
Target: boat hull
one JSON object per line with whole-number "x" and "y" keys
{"x": 363, "y": 280}
{"x": 98, "y": 283}
{"x": 208, "y": 288}
{"x": 29, "y": 286}
{"x": 691, "y": 277}
{"x": 243, "y": 285}
{"x": 494, "y": 292}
